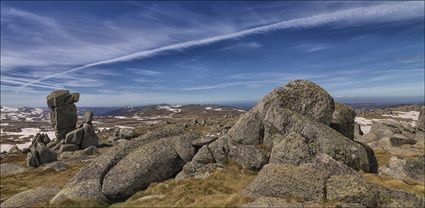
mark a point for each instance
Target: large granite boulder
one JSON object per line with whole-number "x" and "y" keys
{"x": 88, "y": 183}
{"x": 153, "y": 162}
{"x": 314, "y": 183}
{"x": 322, "y": 139}
{"x": 343, "y": 120}
{"x": 301, "y": 96}
{"x": 31, "y": 198}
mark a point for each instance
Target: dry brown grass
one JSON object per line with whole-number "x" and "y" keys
{"x": 383, "y": 157}
{"x": 13, "y": 184}
{"x": 14, "y": 158}
{"x": 389, "y": 182}
{"x": 221, "y": 189}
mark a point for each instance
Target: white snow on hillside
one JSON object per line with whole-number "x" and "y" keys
{"x": 366, "y": 124}
{"x": 27, "y": 132}
{"x": 173, "y": 109}
{"x": 6, "y": 147}
{"x": 23, "y": 114}
{"x": 215, "y": 109}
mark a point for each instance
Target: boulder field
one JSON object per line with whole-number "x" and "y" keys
{"x": 296, "y": 136}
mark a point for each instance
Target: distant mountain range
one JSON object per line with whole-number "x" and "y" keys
{"x": 42, "y": 113}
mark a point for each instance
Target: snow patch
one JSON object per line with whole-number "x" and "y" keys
{"x": 120, "y": 117}
{"x": 215, "y": 109}
{"x": 27, "y": 132}
{"x": 414, "y": 115}
{"x": 169, "y": 108}
{"x": 126, "y": 127}
{"x": 5, "y": 109}
{"x": 7, "y": 147}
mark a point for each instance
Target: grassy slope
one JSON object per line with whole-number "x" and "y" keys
{"x": 13, "y": 184}
{"x": 408, "y": 185}
{"x": 222, "y": 189}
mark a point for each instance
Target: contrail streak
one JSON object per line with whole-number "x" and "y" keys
{"x": 379, "y": 13}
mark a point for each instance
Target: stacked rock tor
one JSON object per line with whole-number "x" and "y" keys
{"x": 70, "y": 141}
{"x": 63, "y": 117}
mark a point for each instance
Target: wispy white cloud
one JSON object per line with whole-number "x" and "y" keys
{"x": 310, "y": 48}
{"x": 371, "y": 14}
{"x": 240, "y": 47}
{"x": 144, "y": 72}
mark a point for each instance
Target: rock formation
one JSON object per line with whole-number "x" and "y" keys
{"x": 289, "y": 126}
{"x": 83, "y": 140}
{"x": 31, "y": 197}
{"x": 101, "y": 180}
{"x": 63, "y": 117}
{"x": 84, "y": 136}
{"x": 39, "y": 152}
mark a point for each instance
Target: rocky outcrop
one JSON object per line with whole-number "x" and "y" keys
{"x": 63, "y": 117}
{"x": 156, "y": 161}
{"x": 95, "y": 178}
{"x": 343, "y": 120}
{"x": 311, "y": 185}
{"x": 39, "y": 153}
{"x": 70, "y": 142}
{"x": 289, "y": 128}
{"x": 84, "y": 136}
{"x": 31, "y": 198}
{"x": 289, "y": 125}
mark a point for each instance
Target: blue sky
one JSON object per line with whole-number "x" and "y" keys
{"x": 135, "y": 52}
